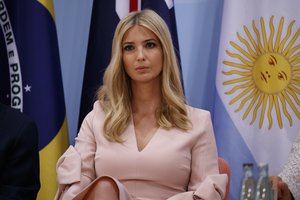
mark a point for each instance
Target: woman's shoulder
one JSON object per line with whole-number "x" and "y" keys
{"x": 194, "y": 111}
{"x": 197, "y": 115}
{"x": 97, "y": 107}
{"x": 97, "y": 111}
{"x": 200, "y": 119}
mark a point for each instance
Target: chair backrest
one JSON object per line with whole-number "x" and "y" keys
{"x": 224, "y": 168}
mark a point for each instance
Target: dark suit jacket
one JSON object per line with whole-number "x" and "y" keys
{"x": 19, "y": 156}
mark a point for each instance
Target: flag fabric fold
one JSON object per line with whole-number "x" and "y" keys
{"x": 30, "y": 78}
{"x": 257, "y": 107}
{"x": 103, "y": 23}
{"x": 105, "y": 17}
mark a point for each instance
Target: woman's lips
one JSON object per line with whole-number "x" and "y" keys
{"x": 141, "y": 68}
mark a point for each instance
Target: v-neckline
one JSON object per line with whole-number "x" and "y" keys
{"x": 136, "y": 140}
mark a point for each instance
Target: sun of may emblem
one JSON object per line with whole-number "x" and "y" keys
{"x": 264, "y": 73}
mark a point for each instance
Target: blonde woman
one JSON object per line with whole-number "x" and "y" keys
{"x": 141, "y": 140}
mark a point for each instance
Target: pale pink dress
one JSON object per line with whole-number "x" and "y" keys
{"x": 175, "y": 164}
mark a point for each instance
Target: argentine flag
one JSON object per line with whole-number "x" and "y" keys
{"x": 257, "y": 107}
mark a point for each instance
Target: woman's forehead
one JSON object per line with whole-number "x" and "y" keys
{"x": 137, "y": 32}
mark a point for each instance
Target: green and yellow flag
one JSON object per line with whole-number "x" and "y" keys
{"x": 31, "y": 81}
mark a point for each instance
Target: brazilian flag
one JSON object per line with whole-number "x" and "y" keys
{"x": 30, "y": 78}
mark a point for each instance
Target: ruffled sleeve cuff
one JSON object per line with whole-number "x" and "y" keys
{"x": 213, "y": 187}
{"x": 68, "y": 167}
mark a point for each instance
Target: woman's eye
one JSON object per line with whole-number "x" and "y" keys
{"x": 128, "y": 47}
{"x": 150, "y": 44}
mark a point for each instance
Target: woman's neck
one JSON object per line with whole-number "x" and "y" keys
{"x": 146, "y": 99}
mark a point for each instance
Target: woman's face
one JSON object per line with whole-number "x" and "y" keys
{"x": 142, "y": 55}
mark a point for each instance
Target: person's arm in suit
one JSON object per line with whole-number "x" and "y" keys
{"x": 19, "y": 156}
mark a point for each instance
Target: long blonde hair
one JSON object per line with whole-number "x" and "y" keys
{"x": 115, "y": 93}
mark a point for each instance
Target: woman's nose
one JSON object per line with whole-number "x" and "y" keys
{"x": 140, "y": 54}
